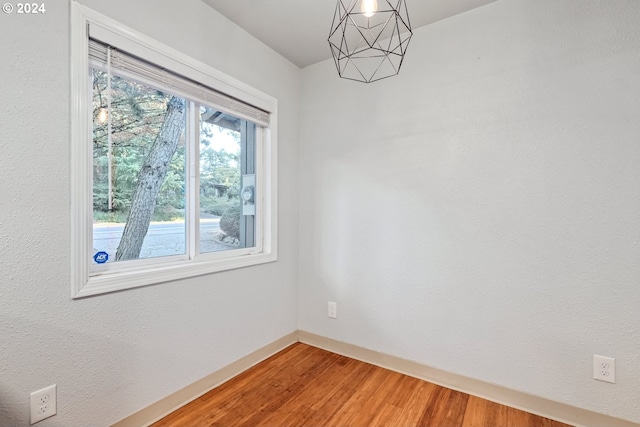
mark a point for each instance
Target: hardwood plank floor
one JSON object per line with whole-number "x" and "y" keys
{"x": 306, "y": 386}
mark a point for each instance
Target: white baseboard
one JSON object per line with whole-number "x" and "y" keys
{"x": 536, "y": 405}
{"x": 158, "y": 410}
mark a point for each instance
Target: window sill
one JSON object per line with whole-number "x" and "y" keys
{"x": 118, "y": 281}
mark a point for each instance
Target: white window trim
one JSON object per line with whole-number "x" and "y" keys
{"x": 82, "y": 283}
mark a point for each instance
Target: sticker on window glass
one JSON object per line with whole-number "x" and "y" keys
{"x": 101, "y": 257}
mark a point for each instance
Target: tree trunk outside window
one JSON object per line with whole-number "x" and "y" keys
{"x": 150, "y": 179}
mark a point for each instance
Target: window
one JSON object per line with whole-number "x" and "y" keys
{"x": 173, "y": 163}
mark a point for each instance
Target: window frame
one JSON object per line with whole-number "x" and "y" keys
{"x": 83, "y": 282}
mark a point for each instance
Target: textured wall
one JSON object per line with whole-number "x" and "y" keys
{"x": 479, "y": 213}
{"x": 114, "y": 354}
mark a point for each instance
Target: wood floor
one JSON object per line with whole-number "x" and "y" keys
{"x": 307, "y": 386}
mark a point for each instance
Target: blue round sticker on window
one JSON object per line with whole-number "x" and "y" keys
{"x": 101, "y": 257}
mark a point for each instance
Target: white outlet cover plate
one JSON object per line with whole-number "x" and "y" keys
{"x": 604, "y": 368}
{"x": 332, "y": 310}
{"x": 42, "y": 404}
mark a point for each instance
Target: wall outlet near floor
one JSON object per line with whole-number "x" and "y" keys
{"x": 332, "y": 308}
{"x": 604, "y": 368}
{"x": 42, "y": 404}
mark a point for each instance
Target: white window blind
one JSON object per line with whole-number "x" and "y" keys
{"x": 118, "y": 62}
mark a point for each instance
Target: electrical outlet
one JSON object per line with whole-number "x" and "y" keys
{"x": 42, "y": 404}
{"x": 604, "y": 368}
{"x": 332, "y": 310}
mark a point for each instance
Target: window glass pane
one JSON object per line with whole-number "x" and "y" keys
{"x": 138, "y": 171}
{"x": 222, "y": 165}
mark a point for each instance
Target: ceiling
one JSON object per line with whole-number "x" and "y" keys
{"x": 298, "y": 29}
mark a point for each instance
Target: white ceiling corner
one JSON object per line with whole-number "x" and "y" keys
{"x": 298, "y": 29}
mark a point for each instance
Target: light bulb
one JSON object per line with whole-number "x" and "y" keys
{"x": 369, "y": 7}
{"x": 102, "y": 115}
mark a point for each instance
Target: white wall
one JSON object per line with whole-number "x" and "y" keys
{"x": 115, "y": 354}
{"x": 480, "y": 212}
{"x": 477, "y": 213}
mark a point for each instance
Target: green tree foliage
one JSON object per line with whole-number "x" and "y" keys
{"x": 230, "y": 221}
{"x": 219, "y": 170}
{"x": 137, "y": 114}
{"x": 216, "y": 169}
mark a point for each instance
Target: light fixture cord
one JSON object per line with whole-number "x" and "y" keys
{"x": 109, "y": 143}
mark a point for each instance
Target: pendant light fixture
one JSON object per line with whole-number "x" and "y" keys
{"x": 369, "y": 38}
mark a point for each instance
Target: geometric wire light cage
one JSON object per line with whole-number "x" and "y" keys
{"x": 368, "y": 41}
